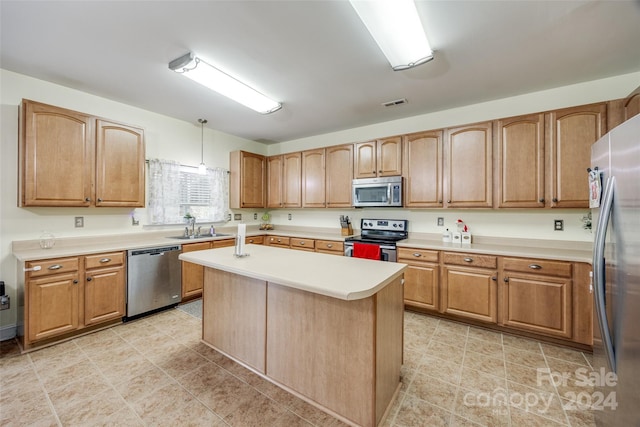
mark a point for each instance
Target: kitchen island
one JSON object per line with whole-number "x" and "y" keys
{"x": 328, "y": 329}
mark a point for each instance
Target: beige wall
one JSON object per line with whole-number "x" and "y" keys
{"x": 175, "y": 139}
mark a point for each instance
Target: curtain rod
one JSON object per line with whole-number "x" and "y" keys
{"x": 189, "y": 166}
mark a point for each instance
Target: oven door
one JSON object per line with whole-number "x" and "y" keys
{"x": 387, "y": 252}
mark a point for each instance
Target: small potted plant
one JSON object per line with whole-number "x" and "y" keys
{"x": 265, "y": 222}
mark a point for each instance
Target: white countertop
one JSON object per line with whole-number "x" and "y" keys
{"x": 334, "y": 276}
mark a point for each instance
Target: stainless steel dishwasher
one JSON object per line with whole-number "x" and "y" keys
{"x": 154, "y": 279}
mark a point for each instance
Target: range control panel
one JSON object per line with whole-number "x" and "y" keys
{"x": 384, "y": 224}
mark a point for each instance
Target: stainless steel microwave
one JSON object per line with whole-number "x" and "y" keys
{"x": 377, "y": 192}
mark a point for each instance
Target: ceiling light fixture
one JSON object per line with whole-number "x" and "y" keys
{"x": 202, "y": 169}
{"x": 396, "y": 27}
{"x": 209, "y": 76}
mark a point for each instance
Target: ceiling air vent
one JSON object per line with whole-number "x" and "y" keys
{"x": 394, "y": 102}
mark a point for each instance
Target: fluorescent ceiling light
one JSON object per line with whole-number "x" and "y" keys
{"x": 396, "y": 27}
{"x": 207, "y": 75}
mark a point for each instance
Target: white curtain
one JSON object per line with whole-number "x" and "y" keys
{"x": 219, "y": 203}
{"x": 164, "y": 192}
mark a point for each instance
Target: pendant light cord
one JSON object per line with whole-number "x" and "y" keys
{"x": 202, "y": 122}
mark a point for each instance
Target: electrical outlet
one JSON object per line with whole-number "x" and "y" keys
{"x": 79, "y": 221}
{"x": 289, "y": 216}
{"x": 228, "y": 217}
{"x": 237, "y": 217}
{"x": 440, "y": 221}
{"x": 558, "y": 224}
{"x": 255, "y": 215}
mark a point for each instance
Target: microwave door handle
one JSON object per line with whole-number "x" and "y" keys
{"x": 389, "y": 194}
{"x": 599, "y": 284}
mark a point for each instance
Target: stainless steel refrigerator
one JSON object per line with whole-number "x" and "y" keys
{"x": 616, "y": 276}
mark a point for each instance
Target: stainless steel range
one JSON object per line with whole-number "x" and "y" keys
{"x": 382, "y": 232}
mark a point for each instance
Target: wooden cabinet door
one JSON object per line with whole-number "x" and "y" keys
{"x": 247, "y": 180}
{"x": 468, "y": 166}
{"x": 291, "y": 180}
{"x": 572, "y": 131}
{"x": 104, "y": 294}
{"x": 421, "y": 286}
{"x": 193, "y": 274}
{"x": 470, "y": 293}
{"x": 538, "y": 304}
{"x": 389, "y": 156}
{"x": 632, "y": 105}
{"x": 423, "y": 169}
{"x": 120, "y": 160}
{"x": 339, "y": 175}
{"x": 274, "y": 181}
{"x": 521, "y": 162}
{"x": 56, "y": 156}
{"x": 52, "y": 305}
{"x": 365, "y": 160}
{"x": 313, "y": 179}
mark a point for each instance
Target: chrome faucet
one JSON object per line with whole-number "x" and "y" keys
{"x": 192, "y": 224}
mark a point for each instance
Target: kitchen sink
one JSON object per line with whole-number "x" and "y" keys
{"x": 202, "y": 236}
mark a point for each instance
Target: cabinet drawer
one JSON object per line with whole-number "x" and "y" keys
{"x": 329, "y": 245}
{"x": 279, "y": 240}
{"x": 414, "y": 254}
{"x": 256, "y": 240}
{"x": 104, "y": 260}
{"x": 538, "y": 266}
{"x": 485, "y": 261}
{"x": 303, "y": 243}
{"x": 52, "y": 266}
{"x": 223, "y": 243}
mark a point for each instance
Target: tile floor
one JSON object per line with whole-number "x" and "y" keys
{"x": 154, "y": 372}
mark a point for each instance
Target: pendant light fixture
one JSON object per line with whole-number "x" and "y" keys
{"x": 202, "y": 169}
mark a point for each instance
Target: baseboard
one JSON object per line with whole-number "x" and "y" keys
{"x": 7, "y": 332}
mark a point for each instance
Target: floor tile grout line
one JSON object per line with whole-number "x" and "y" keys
{"x": 555, "y": 388}
{"x": 44, "y": 390}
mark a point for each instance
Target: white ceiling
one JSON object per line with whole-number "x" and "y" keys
{"x": 316, "y": 57}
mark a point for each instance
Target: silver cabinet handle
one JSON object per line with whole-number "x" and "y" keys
{"x": 535, "y": 267}
{"x": 329, "y": 245}
{"x": 55, "y": 267}
{"x": 417, "y": 255}
{"x": 103, "y": 260}
{"x": 467, "y": 259}
{"x": 301, "y": 242}
{"x": 34, "y": 268}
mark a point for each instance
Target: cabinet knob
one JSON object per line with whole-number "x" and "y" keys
{"x": 448, "y": 201}
{"x": 535, "y": 266}
{"x": 250, "y": 240}
{"x": 373, "y": 172}
{"x": 87, "y": 199}
{"x": 417, "y": 255}
{"x": 467, "y": 259}
{"x": 379, "y": 171}
{"x": 329, "y": 245}
{"x": 554, "y": 200}
{"x": 440, "y": 201}
{"x": 75, "y": 282}
{"x": 541, "y": 200}
{"x": 301, "y": 242}
{"x": 506, "y": 279}
{"x": 494, "y": 278}
{"x": 89, "y": 279}
{"x": 99, "y": 199}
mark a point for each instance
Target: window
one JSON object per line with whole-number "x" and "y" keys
{"x": 175, "y": 190}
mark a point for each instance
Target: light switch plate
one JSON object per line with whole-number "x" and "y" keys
{"x": 440, "y": 221}
{"x": 79, "y": 221}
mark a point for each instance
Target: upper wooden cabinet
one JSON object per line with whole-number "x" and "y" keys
{"x": 571, "y": 132}
{"x": 423, "y": 169}
{"x": 67, "y": 158}
{"x": 274, "y": 181}
{"x": 338, "y": 175}
{"x": 378, "y": 158}
{"x": 468, "y": 166}
{"x": 284, "y": 181}
{"x": 521, "y": 166}
{"x": 247, "y": 180}
{"x": 621, "y": 110}
{"x": 313, "y": 178}
{"x": 291, "y": 180}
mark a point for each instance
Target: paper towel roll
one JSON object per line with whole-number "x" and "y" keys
{"x": 242, "y": 233}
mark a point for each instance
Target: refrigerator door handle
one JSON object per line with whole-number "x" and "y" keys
{"x": 599, "y": 270}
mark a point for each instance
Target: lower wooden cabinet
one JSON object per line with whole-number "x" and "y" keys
{"x": 104, "y": 296}
{"x": 421, "y": 278}
{"x": 303, "y": 244}
{"x": 67, "y": 295}
{"x": 471, "y": 293}
{"x": 537, "y": 296}
{"x": 193, "y": 274}
{"x": 332, "y": 247}
{"x": 281, "y": 241}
